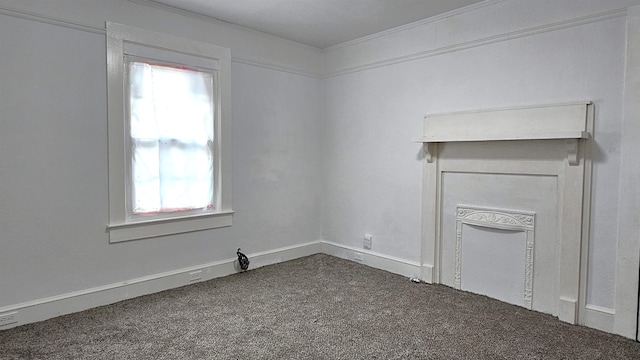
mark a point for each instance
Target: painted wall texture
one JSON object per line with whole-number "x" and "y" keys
{"x": 321, "y": 139}
{"x": 53, "y": 165}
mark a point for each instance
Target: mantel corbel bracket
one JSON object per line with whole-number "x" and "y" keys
{"x": 573, "y": 151}
{"x": 429, "y": 151}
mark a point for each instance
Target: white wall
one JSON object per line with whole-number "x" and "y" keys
{"x": 502, "y": 54}
{"x": 53, "y": 146}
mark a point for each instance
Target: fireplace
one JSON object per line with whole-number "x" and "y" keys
{"x": 505, "y": 204}
{"x": 498, "y": 252}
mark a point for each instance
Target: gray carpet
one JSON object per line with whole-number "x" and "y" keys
{"x": 318, "y": 307}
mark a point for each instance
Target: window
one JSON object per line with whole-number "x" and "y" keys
{"x": 171, "y": 112}
{"x": 169, "y": 129}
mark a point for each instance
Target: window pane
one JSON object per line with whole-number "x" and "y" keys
{"x": 146, "y": 178}
{"x": 172, "y": 113}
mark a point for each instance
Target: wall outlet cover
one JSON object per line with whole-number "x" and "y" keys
{"x": 367, "y": 241}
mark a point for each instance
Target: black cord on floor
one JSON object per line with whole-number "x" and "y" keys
{"x": 243, "y": 260}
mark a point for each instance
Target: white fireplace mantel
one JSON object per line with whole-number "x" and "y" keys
{"x": 550, "y": 135}
{"x": 551, "y": 122}
{"x": 508, "y": 142}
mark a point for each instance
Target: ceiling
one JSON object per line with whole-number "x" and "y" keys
{"x": 319, "y": 23}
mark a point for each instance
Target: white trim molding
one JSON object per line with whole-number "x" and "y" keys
{"x": 46, "y": 308}
{"x": 628, "y": 255}
{"x": 241, "y": 56}
{"x": 412, "y": 25}
{"x": 376, "y": 260}
{"x": 126, "y": 40}
{"x": 508, "y": 142}
{"x": 28, "y": 15}
{"x": 416, "y": 41}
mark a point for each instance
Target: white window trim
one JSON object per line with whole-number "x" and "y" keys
{"x": 120, "y": 227}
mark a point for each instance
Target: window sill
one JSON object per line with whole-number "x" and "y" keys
{"x": 161, "y": 227}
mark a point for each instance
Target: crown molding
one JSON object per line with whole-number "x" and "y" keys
{"x": 195, "y": 15}
{"x": 535, "y": 30}
{"x": 26, "y": 15}
{"x": 413, "y": 24}
{"x": 46, "y": 19}
{"x": 269, "y": 66}
{"x": 602, "y": 16}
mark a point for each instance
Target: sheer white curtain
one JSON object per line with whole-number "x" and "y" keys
{"x": 172, "y": 132}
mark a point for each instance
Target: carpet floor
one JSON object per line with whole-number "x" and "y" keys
{"x": 317, "y": 307}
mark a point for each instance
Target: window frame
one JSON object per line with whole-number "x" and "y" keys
{"x": 122, "y": 226}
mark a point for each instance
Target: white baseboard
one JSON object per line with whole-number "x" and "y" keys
{"x": 47, "y": 308}
{"x": 376, "y": 260}
{"x": 43, "y": 309}
{"x": 598, "y": 317}
{"x": 593, "y": 316}
{"x": 428, "y": 274}
{"x": 568, "y": 310}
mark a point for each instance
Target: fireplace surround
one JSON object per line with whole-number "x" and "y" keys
{"x": 524, "y": 170}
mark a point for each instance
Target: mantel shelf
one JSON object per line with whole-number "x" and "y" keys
{"x": 505, "y": 137}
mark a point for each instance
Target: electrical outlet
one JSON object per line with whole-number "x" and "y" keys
{"x": 367, "y": 241}
{"x": 357, "y": 256}
{"x": 195, "y": 275}
{"x": 8, "y": 318}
